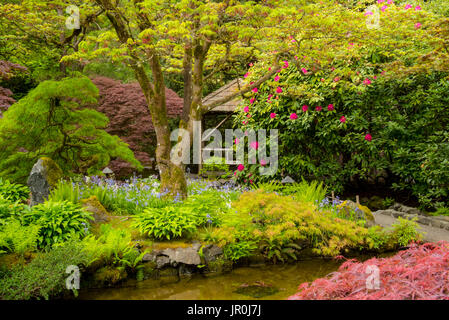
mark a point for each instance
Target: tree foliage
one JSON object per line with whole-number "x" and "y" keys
{"x": 54, "y": 120}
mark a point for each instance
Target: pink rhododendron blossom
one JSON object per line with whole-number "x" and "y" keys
{"x": 336, "y": 79}
{"x": 269, "y": 69}
{"x": 236, "y": 141}
{"x": 367, "y": 82}
{"x": 285, "y": 65}
{"x": 322, "y": 80}
{"x": 369, "y": 13}
{"x": 304, "y": 70}
{"x": 408, "y": 6}
{"x": 418, "y": 25}
{"x": 279, "y": 90}
{"x": 368, "y": 137}
{"x": 343, "y": 119}
{"x": 255, "y": 90}
{"x": 270, "y": 96}
{"x": 254, "y": 145}
{"x": 244, "y": 122}
{"x": 251, "y": 64}
{"x": 380, "y": 1}
{"x": 318, "y": 108}
{"x": 293, "y": 116}
{"x": 252, "y": 100}
{"x": 277, "y": 78}
{"x": 375, "y": 77}
{"x": 272, "y": 115}
{"x": 330, "y": 107}
{"x": 390, "y": 1}
{"x": 263, "y": 162}
{"x": 305, "y": 108}
{"x": 246, "y": 75}
{"x": 248, "y": 115}
{"x": 384, "y": 8}
{"x": 417, "y": 8}
{"x": 246, "y": 109}
{"x": 241, "y": 167}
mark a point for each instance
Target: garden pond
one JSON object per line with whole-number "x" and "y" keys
{"x": 267, "y": 282}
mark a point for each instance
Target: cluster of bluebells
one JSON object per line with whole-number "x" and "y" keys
{"x": 134, "y": 194}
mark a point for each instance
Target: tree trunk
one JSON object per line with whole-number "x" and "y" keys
{"x": 172, "y": 175}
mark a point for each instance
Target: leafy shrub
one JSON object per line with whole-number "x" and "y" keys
{"x": 405, "y": 231}
{"x": 17, "y": 238}
{"x": 59, "y": 222}
{"x": 306, "y": 192}
{"x": 394, "y": 131}
{"x": 377, "y": 238}
{"x": 66, "y": 191}
{"x": 165, "y": 223}
{"x": 442, "y": 211}
{"x": 10, "y": 209}
{"x": 45, "y": 276}
{"x": 238, "y": 250}
{"x": 13, "y": 192}
{"x": 278, "y": 222}
{"x": 112, "y": 247}
{"x": 207, "y": 208}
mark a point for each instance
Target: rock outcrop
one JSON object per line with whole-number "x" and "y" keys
{"x": 43, "y": 178}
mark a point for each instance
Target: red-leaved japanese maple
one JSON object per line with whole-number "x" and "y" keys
{"x": 130, "y": 119}
{"x": 420, "y": 273}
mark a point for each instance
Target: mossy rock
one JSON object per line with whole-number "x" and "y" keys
{"x": 100, "y": 214}
{"x": 149, "y": 270}
{"x": 44, "y": 177}
{"x": 108, "y": 276}
{"x": 54, "y": 172}
{"x": 220, "y": 266}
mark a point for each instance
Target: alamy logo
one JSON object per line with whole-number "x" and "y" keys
{"x": 257, "y": 142}
{"x": 373, "y": 280}
{"x": 73, "y": 22}
{"x": 73, "y": 280}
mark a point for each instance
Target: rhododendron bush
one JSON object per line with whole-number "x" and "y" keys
{"x": 354, "y": 113}
{"x": 419, "y": 273}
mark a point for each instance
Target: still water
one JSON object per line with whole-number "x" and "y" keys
{"x": 267, "y": 282}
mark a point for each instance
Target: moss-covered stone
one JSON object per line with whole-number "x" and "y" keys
{"x": 220, "y": 266}
{"x": 44, "y": 177}
{"x": 54, "y": 172}
{"x": 92, "y": 204}
{"x": 149, "y": 270}
{"x": 108, "y": 276}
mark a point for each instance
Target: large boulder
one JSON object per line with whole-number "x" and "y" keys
{"x": 188, "y": 256}
{"x": 44, "y": 176}
{"x": 361, "y": 212}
